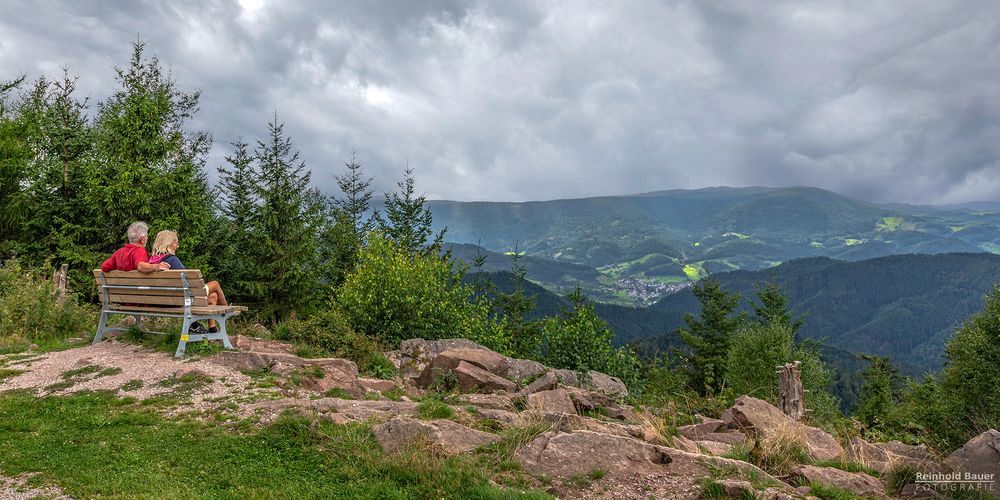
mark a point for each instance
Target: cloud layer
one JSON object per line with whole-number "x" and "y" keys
{"x": 539, "y": 100}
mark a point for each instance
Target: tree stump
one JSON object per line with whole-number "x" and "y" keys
{"x": 59, "y": 282}
{"x": 790, "y": 392}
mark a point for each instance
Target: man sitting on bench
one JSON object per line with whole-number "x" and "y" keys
{"x": 133, "y": 256}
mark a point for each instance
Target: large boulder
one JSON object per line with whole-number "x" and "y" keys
{"x": 468, "y": 377}
{"x": 551, "y": 401}
{"x": 856, "y": 483}
{"x": 252, "y": 344}
{"x": 612, "y": 386}
{"x": 761, "y": 420}
{"x": 523, "y": 369}
{"x": 450, "y": 437}
{"x": 545, "y": 382}
{"x": 449, "y": 360}
{"x": 980, "y": 457}
{"x": 487, "y": 401}
{"x": 883, "y": 457}
{"x": 415, "y": 354}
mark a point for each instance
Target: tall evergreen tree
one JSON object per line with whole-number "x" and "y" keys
{"x": 877, "y": 397}
{"x": 15, "y": 153}
{"x": 356, "y": 196}
{"x": 516, "y": 305}
{"x": 238, "y": 207}
{"x": 773, "y": 308}
{"x": 151, "y": 167}
{"x": 407, "y": 219}
{"x": 708, "y": 336}
{"x": 287, "y": 229}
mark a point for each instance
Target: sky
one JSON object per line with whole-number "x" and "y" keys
{"x": 885, "y": 101}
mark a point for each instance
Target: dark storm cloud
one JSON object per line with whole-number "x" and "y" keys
{"x": 532, "y": 100}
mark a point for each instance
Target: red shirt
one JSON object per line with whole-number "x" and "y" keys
{"x": 127, "y": 258}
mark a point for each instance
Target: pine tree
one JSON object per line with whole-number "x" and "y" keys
{"x": 516, "y": 305}
{"x": 357, "y": 196}
{"x": 877, "y": 397}
{"x": 407, "y": 219}
{"x": 238, "y": 209}
{"x": 708, "y": 337}
{"x": 773, "y": 308}
{"x": 286, "y": 229}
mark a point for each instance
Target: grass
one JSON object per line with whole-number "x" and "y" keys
{"x": 849, "y": 467}
{"x": 431, "y": 409}
{"x": 132, "y": 385}
{"x": 828, "y": 492}
{"x": 337, "y": 392}
{"x": 9, "y": 373}
{"x": 94, "y": 444}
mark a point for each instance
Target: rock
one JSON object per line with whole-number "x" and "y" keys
{"x": 251, "y": 344}
{"x": 730, "y": 437}
{"x": 856, "y": 483}
{"x": 612, "y": 386}
{"x": 882, "y": 457}
{"x": 735, "y": 488}
{"x": 759, "y": 419}
{"x": 346, "y": 366}
{"x": 254, "y": 361}
{"x": 415, "y": 354}
{"x": 567, "y": 377}
{"x": 697, "y": 431}
{"x": 187, "y": 371}
{"x": 363, "y": 409}
{"x": 502, "y": 416}
{"x": 714, "y": 448}
{"x": 450, "y": 437}
{"x": 684, "y": 444}
{"x": 379, "y": 385}
{"x": 473, "y": 378}
{"x": 555, "y": 401}
{"x": 979, "y": 456}
{"x": 487, "y": 401}
{"x": 919, "y": 452}
{"x": 337, "y": 418}
{"x": 521, "y": 369}
{"x": 490, "y": 361}
{"x": 333, "y": 378}
{"x": 620, "y": 412}
{"x": 589, "y": 400}
{"x": 644, "y": 432}
{"x": 803, "y": 490}
{"x": 545, "y": 382}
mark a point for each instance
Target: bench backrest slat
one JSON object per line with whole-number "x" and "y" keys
{"x": 161, "y": 288}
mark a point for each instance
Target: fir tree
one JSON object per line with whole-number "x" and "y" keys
{"x": 516, "y": 305}
{"x": 773, "y": 308}
{"x": 877, "y": 397}
{"x": 407, "y": 219}
{"x": 357, "y": 196}
{"x": 286, "y": 229}
{"x": 708, "y": 337}
{"x": 238, "y": 207}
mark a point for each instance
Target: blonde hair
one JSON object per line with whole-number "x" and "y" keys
{"x": 163, "y": 241}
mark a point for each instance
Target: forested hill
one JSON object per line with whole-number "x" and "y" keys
{"x": 902, "y": 306}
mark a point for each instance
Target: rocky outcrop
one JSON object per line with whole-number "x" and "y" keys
{"x": 606, "y": 384}
{"x": 451, "y": 438}
{"x": 759, "y": 419}
{"x": 883, "y": 457}
{"x": 545, "y": 382}
{"x": 415, "y": 354}
{"x": 551, "y": 401}
{"x": 474, "y": 369}
{"x": 980, "y": 457}
{"x": 856, "y": 483}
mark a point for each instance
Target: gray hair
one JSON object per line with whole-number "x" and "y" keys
{"x": 137, "y": 231}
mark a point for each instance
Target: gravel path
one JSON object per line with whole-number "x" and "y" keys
{"x": 16, "y": 488}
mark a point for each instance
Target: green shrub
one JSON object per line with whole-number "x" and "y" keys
{"x": 330, "y": 333}
{"x": 30, "y": 313}
{"x": 393, "y": 295}
{"x": 580, "y": 340}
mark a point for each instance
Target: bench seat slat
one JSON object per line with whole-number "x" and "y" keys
{"x": 180, "y": 310}
{"x": 197, "y": 291}
{"x": 156, "y": 299}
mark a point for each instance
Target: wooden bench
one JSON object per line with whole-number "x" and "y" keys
{"x": 171, "y": 294}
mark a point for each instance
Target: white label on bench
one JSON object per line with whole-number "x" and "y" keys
{"x": 187, "y": 302}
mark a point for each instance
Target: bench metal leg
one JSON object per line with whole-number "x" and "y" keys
{"x": 222, "y": 331}
{"x": 182, "y": 344}
{"x": 138, "y": 321}
{"x": 100, "y": 328}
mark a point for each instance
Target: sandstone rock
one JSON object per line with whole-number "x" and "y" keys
{"x": 856, "y": 483}
{"x": 735, "y": 488}
{"x": 644, "y": 432}
{"x": 919, "y": 452}
{"x": 490, "y": 361}
{"x": 345, "y": 366}
{"x": 333, "y": 378}
{"x": 714, "y": 448}
{"x": 472, "y": 377}
{"x": 476, "y": 360}
{"x": 567, "y": 377}
{"x": 379, "y": 385}
{"x": 684, "y": 444}
{"x": 450, "y": 437}
{"x": 188, "y": 371}
{"x": 337, "y": 418}
{"x": 882, "y": 457}
{"x": 255, "y": 361}
{"x": 762, "y": 420}
{"x": 364, "y": 410}
{"x": 415, "y": 354}
{"x": 503, "y": 416}
{"x": 487, "y": 401}
{"x": 555, "y": 401}
{"x": 612, "y": 386}
{"x": 543, "y": 383}
{"x": 251, "y": 344}
{"x": 979, "y": 456}
{"x": 521, "y": 369}
{"x": 697, "y": 431}
{"x": 589, "y": 400}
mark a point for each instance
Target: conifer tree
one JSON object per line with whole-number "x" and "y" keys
{"x": 708, "y": 336}
{"x": 877, "y": 395}
{"x": 407, "y": 219}
{"x": 238, "y": 207}
{"x": 773, "y": 308}
{"x": 516, "y": 305}
{"x": 287, "y": 229}
{"x": 356, "y": 196}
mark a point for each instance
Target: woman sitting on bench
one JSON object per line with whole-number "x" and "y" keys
{"x": 165, "y": 250}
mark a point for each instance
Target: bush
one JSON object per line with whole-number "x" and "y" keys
{"x": 755, "y": 352}
{"x": 393, "y": 295}
{"x": 969, "y": 379}
{"x": 330, "y": 332}
{"x": 30, "y": 313}
{"x": 580, "y": 340}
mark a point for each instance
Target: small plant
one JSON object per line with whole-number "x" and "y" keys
{"x": 899, "y": 476}
{"x": 58, "y": 386}
{"x": 132, "y": 385}
{"x": 107, "y": 372}
{"x": 68, "y": 374}
{"x": 204, "y": 348}
{"x": 830, "y": 492}
{"x": 394, "y": 394}
{"x": 431, "y": 409}
{"x": 9, "y": 373}
{"x": 337, "y": 392}
{"x": 444, "y": 381}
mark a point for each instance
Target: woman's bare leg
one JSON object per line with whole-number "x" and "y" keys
{"x": 215, "y": 296}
